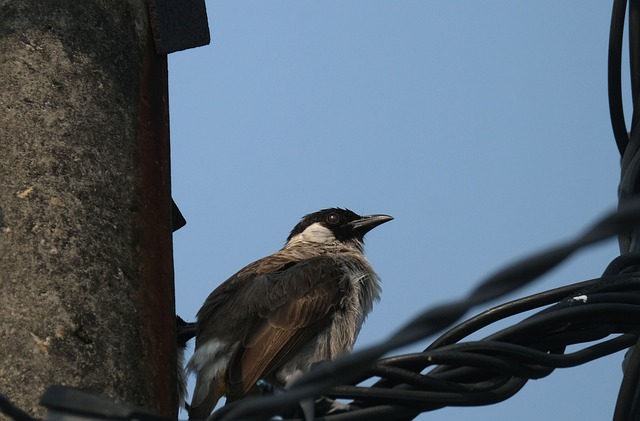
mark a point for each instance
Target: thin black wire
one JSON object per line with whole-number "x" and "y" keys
{"x": 634, "y": 59}
{"x": 616, "y": 109}
{"x": 493, "y": 393}
{"x": 505, "y": 310}
{"x": 14, "y": 412}
{"x": 626, "y": 405}
{"x": 519, "y": 357}
{"x": 628, "y": 402}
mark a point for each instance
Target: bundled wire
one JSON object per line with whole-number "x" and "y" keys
{"x": 628, "y": 402}
{"x": 491, "y": 370}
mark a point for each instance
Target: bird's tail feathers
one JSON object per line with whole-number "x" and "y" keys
{"x": 206, "y": 396}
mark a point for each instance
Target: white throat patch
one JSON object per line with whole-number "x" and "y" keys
{"x": 314, "y": 233}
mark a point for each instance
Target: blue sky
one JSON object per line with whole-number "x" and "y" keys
{"x": 482, "y": 127}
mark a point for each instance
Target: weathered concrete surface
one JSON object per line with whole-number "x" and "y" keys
{"x": 86, "y": 288}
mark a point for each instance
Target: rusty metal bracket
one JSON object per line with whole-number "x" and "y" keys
{"x": 178, "y": 24}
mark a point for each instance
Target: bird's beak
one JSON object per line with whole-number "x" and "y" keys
{"x": 369, "y": 222}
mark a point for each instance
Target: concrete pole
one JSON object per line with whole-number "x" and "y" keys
{"x": 86, "y": 275}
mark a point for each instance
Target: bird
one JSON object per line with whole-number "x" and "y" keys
{"x": 281, "y": 314}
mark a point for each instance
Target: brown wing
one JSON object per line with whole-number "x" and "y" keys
{"x": 237, "y": 292}
{"x": 227, "y": 312}
{"x": 299, "y": 302}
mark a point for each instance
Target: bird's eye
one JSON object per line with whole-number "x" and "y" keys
{"x": 333, "y": 218}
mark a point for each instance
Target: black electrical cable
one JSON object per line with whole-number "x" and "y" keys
{"x": 628, "y": 262}
{"x": 377, "y": 413}
{"x": 627, "y": 397}
{"x": 528, "y": 355}
{"x": 634, "y": 59}
{"x": 489, "y": 363}
{"x": 501, "y": 388}
{"x": 13, "y": 412}
{"x": 616, "y": 109}
{"x": 505, "y": 310}
{"x": 410, "y": 377}
{"x": 514, "y": 352}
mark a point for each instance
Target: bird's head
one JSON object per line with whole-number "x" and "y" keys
{"x": 334, "y": 225}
